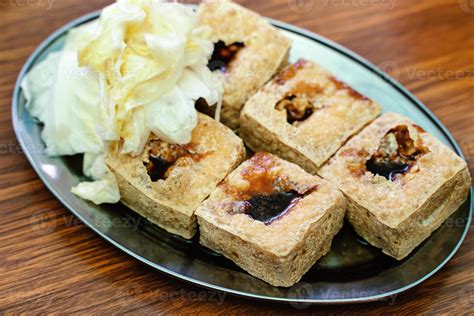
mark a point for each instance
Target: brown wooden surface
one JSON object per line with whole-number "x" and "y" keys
{"x": 62, "y": 266}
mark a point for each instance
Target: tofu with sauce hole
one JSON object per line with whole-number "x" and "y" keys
{"x": 401, "y": 183}
{"x": 248, "y": 52}
{"x": 272, "y": 219}
{"x": 168, "y": 182}
{"x": 305, "y": 115}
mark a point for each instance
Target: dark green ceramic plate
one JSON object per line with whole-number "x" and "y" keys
{"x": 352, "y": 272}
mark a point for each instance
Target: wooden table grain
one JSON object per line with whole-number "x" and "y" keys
{"x": 49, "y": 262}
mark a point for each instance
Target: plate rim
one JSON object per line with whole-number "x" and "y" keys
{"x": 293, "y": 29}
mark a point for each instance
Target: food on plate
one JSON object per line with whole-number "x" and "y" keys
{"x": 272, "y": 219}
{"x": 129, "y": 91}
{"x": 400, "y": 181}
{"x": 304, "y": 115}
{"x": 247, "y": 50}
{"x": 139, "y": 69}
{"x": 167, "y": 182}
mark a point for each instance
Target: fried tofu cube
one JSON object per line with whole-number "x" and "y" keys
{"x": 248, "y": 51}
{"x": 272, "y": 219}
{"x": 401, "y": 183}
{"x": 304, "y": 115}
{"x": 168, "y": 182}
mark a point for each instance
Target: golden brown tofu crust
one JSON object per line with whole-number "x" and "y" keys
{"x": 282, "y": 251}
{"x": 266, "y": 51}
{"x": 212, "y": 154}
{"x": 397, "y": 215}
{"x": 305, "y": 115}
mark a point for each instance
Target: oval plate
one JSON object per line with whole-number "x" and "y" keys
{"x": 352, "y": 272}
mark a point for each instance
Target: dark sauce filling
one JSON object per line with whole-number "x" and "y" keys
{"x": 267, "y": 196}
{"x": 388, "y": 162}
{"x": 388, "y": 170}
{"x": 162, "y": 157}
{"x": 223, "y": 55}
{"x": 269, "y": 208}
{"x": 157, "y": 168}
{"x": 202, "y": 106}
{"x": 295, "y": 113}
{"x": 301, "y": 102}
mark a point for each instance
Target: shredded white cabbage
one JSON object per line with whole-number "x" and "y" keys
{"x": 153, "y": 56}
{"x": 139, "y": 69}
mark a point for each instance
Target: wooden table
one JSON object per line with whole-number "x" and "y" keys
{"x": 62, "y": 266}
